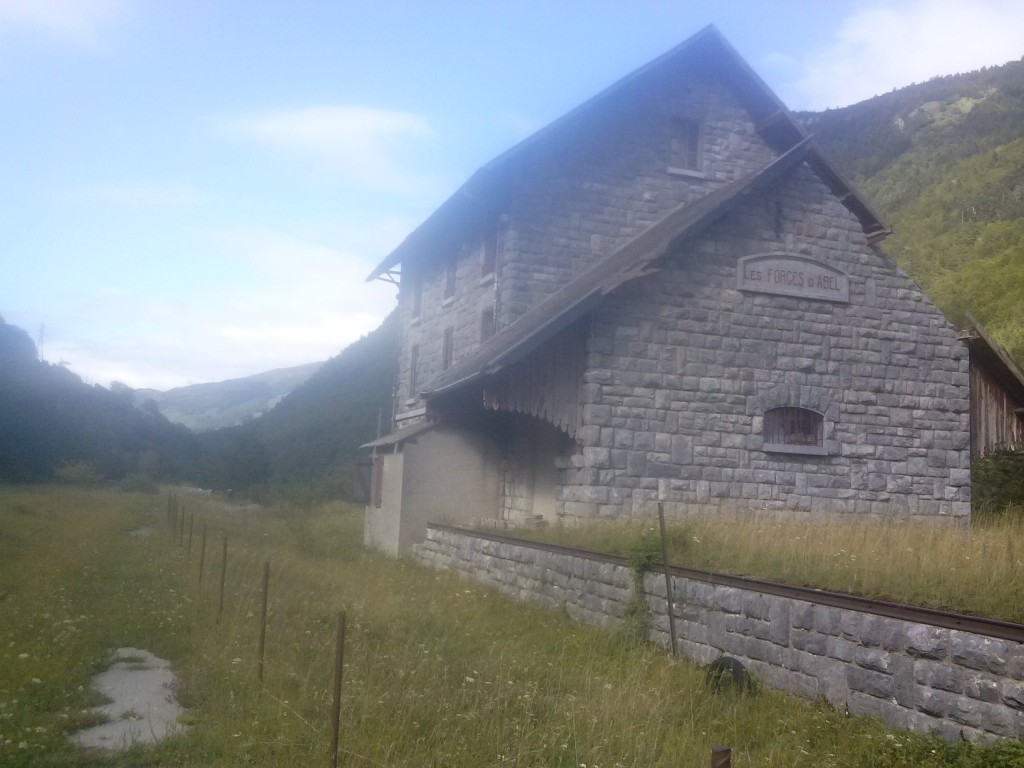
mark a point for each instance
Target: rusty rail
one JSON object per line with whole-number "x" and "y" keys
{"x": 979, "y": 625}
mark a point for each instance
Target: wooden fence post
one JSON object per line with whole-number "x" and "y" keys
{"x": 202, "y": 555}
{"x": 668, "y": 581}
{"x": 223, "y": 573}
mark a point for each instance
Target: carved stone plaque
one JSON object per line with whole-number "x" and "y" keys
{"x": 791, "y": 275}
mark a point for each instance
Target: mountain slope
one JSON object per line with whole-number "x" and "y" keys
{"x": 308, "y": 444}
{"x": 203, "y": 407}
{"x": 943, "y": 164}
{"x": 49, "y": 418}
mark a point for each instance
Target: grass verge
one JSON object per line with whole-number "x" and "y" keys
{"x": 438, "y": 672}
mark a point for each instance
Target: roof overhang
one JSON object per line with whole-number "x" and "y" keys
{"x": 400, "y": 436}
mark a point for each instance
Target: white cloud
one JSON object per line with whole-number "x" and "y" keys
{"x": 364, "y": 143}
{"x": 886, "y": 45}
{"x": 292, "y": 302}
{"x": 76, "y": 21}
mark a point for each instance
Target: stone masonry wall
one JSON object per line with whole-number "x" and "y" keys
{"x": 578, "y": 197}
{"x": 912, "y": 676}
{"x": 682, "y": 366}
{"x": 583, "y": 195}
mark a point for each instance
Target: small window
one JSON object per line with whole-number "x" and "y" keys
{"x": 446, "y": 348}
{"x": 686, "y": 144}
{"x": 486, "y": 323}
{"x": 414, "y": 364}
{"x": 449, "y": 277}
{"x": 417, "y": 295}
{"x": 489, "y": 252}
{"x": 793, "y": 427}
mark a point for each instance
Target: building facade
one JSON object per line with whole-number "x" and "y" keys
{"x": 666, "y": 296}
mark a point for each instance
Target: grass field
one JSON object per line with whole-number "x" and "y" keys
{"x": 438, "y": 672}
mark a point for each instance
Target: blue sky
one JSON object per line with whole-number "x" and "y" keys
{"x": 195, "y": 190}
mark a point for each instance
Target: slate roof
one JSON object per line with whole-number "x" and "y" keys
{"x": 483, "y": 194}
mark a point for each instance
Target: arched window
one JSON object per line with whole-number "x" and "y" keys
{"x": 791, "y": 426}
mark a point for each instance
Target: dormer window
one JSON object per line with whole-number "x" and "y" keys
{"x": 790, "y": 429}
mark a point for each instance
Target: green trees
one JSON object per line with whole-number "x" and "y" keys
{"x": 943, "y": 163}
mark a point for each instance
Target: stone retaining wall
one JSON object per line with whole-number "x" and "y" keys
{"x": 910, "y": 675}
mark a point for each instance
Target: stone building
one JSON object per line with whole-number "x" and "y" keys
{"x": 667, "y": 295}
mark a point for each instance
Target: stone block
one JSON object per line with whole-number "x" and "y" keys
{"x": 1013, "y": 695}
{"x": 927, "y": 642}
{"x": 810, "y": 642}
{"x": 874, "y": 659}
{"x": 983, "y": 688}
{"x": 778, "y": 620}
{"x": 975, "y": 652}
{"x": 935, "y": 703}
{"x": 728, "y": 599}
{"x": 872, "y": 683}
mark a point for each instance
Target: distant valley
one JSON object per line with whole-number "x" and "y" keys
{"x": 206, "y": 407}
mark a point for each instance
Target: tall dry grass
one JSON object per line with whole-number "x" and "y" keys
{"x": 438, "y": 672}
{"x": 977, "y": 570}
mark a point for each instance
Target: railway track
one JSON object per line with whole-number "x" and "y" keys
{"x": 979, "y": 625}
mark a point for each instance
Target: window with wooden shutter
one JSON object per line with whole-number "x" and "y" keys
{"x": 791, "y": 426}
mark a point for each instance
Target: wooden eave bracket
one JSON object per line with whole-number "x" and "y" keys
{"x": 392, "y": 276}
{"x": 878, "y": 235}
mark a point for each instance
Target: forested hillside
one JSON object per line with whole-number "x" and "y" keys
{"x": 943, "y": 164}
{"x": 308, "y": 444}
{"x": 54, "y": 425}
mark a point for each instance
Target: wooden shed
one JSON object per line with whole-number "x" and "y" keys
{"x": 997, "y": 394}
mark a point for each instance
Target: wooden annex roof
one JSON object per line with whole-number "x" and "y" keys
{"x": 996, "y": 360}
{"x": 484, "y": 193}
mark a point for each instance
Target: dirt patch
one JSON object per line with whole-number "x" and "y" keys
{"x": 143, "y": 707}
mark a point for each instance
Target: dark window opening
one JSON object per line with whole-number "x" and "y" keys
{"x": 686, "y": 144}
{"x": 793, "y": 426}
{"x": 449, "y": 278}
{"x": 417, "y": 295}
{"x": 446, "y": 348}
{"x": 414, "y": 363}
{"x": 489, "y": 252}
{"x": 486, "y": 323}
